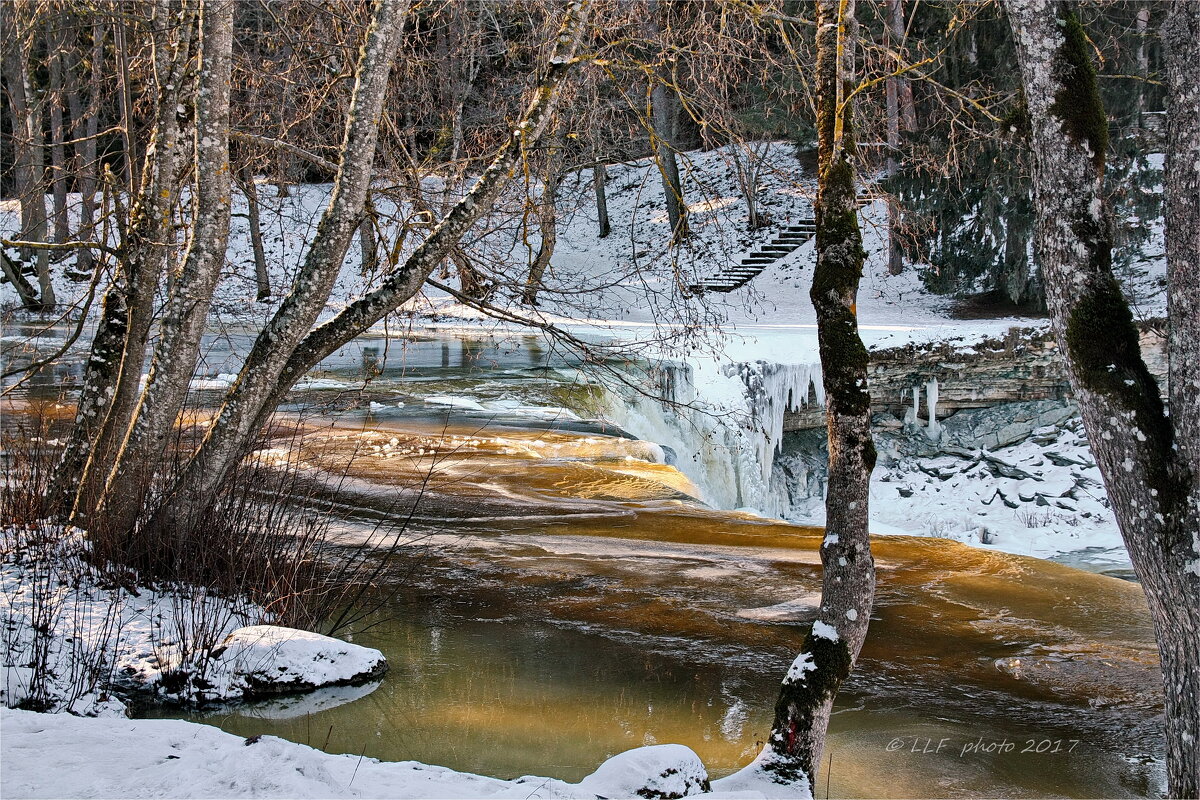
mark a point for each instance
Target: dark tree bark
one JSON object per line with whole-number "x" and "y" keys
{"x": 662, "y": 124}
{"x": 58, "y": 151}
{"x": 901, "y": 115}
{"x": 600, "y": 185}
{"x": 29, "y": 180}
{"x": 142, "y": 255}
{"x": 261, "y": 278}
{"x": 547, "y": 214}
{"x": 793, "y": 751}
{"x": 85, "y": 123}
{"x": 1149, "y": 456}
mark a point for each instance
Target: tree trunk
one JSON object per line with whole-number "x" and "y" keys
{"x": 264, "y": 365}
{"x": 143, "y": 254}
{"x": 600, "y": 184}
{"x": 547, "y": 220}
{"x": 85, "y": 123}
{"x": 898, "y": 93}
{"x": 1149, "y": 459}
{"x": 100, "y": 377}
{"x": 264, "y": 380}
{"x": 662, "y": 136}
{"x": 186, "y": 311}
{"x": 1181, "y": 39}
{"x": 24, "y": 289}
{"x": 28, "y": 160}
{"x": 1142, "y": 29}
{"x": 58, "y": 152}
{"x": 793, "y": 751}
{"x": 125, "y": 104}
{"x": 368, "y": 243}
{"x": 261, "y": 278}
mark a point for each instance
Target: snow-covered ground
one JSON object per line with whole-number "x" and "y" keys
{"x": 56, "y": 756}
{"x": 73, "y": 637}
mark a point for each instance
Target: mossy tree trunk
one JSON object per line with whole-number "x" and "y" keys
{"x": 1148, "y": 454}
{"x": 793, "y": 752}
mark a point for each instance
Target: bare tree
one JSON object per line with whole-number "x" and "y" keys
{"x": 1149, "y": 455}
{"x": 186, "y": 311}
{"x": 662, "y": 128}
{"x": 547, "y": 212}
{"x": 20, "y": 25}
{"x": 793, "y": 750}
{"x": 901, "y": 115}
{"x": 290, "y": 346}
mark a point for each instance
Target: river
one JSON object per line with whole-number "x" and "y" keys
{"x": 565, "y": 595}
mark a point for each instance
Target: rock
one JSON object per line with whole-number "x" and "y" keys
{"x": 263, "y": 660}
{"x": 659, "y": 772}
{"x": 1002, "y": 425}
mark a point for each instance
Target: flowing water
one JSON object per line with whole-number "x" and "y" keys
{"x": 564, "y": 596}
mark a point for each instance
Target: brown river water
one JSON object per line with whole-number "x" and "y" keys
{"x": 561, "y": 597}
{"x": 564, "y": 599}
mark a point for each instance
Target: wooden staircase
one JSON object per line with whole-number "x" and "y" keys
{"x": 734, "y": 276}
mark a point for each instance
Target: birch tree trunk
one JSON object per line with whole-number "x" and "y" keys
{"x": 186, "y": 309}
{"x": 266, "y": 378}
{"x": 793, "y": 751}
{"x": 1149, "y": 456}
{"x": 143, "y": 253}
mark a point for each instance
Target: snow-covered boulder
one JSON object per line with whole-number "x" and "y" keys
{"x": 658, "y": 772}
{"x": 267, "y": 659}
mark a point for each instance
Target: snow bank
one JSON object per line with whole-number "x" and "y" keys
{"x": 61, "y": 756}
{"x": 74, "y": 640}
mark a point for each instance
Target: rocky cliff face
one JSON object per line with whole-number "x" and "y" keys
{"x": 1023, "y": 367}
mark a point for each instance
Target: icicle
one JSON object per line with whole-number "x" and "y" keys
{"x": 912, "y": 415}
{"x": 931, "y": 395}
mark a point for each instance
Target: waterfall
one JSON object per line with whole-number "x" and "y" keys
{"x": 772, "y": 390}
{"x": 724, "y": 423}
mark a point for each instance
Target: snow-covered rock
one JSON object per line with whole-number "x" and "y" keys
{"x": 658, "y": 772}
{"x": 269, "y": 659}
